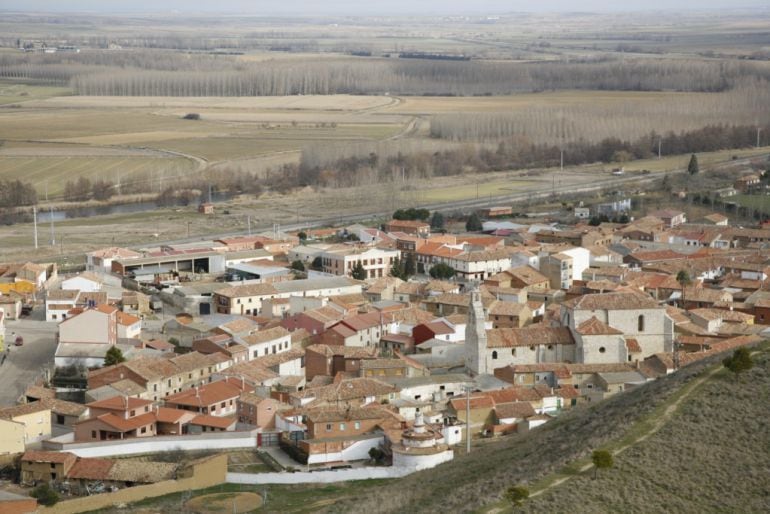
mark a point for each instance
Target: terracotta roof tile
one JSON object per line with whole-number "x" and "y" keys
{"x": 528, "y": 336}
{"x": 594, "y": 327}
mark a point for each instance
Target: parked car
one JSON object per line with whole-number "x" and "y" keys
{"x": 19, "y": 341}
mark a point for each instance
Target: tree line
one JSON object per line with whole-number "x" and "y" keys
{"x": 627, "y": 118}
{"x": 15, "y": 193}
{"x": 514, "y": 153}
{"x": 163, "y": 73}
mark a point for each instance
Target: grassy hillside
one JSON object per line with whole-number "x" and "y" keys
{"x": 689, "y": 463}
{"x": 712, "y": 456}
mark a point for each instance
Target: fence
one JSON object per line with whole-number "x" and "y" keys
{"x": 138, "y": 446}
{"x": 325, "y": 477}
{"x": 201, "y": 474}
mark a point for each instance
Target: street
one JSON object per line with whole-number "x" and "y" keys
{"x": 24, "y": 364}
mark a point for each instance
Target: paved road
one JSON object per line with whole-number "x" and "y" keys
{"x": 24, "y": 364}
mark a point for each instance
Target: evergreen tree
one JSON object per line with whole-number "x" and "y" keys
{"x": 113, "y": 356}
{"x": 437, "y": 222}
{"x": 410, "y": 266}
{"x": 397, "y": 269}
{"x": 358, "y": 273}
{"x": 474, "y": 223}
{"x": 692, "y": 167}
{"x": 442, "y": 271}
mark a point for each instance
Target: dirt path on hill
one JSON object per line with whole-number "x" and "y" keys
{"x": 659, "y": 422}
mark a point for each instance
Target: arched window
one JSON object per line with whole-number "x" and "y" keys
{"x": 494, "y": 354}
{"x": 640, "y": 323}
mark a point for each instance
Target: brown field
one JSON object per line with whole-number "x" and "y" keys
{"x": 224, "y": 502}
{"x": 437, "y": 104}
{"x": 298, "y": 103}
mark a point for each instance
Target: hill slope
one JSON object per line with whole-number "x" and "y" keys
{"x": 712, "y": 456}
{"x": 724, "y": 412}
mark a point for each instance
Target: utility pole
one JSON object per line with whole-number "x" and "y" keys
{"x": 34, "y": 220}
{"x": 660, "y": 142}
{"x": 248, "y": 221}
{"x": 759, "y": 129}
{"x": 561, "y": 161}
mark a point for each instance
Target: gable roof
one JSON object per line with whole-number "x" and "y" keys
{"x": 528, "y": 336}
{"x": 618, "y": 300}
{"x": 520, "y": 410}
{"x": 594, "y": 327}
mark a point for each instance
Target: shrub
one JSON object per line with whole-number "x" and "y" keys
{"x": 45, "y": 495}
{"x": 516, "y": 494}
{"x": 739, "y": 362}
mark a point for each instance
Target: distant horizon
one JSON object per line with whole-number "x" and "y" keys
{"x": 352, "y": 8}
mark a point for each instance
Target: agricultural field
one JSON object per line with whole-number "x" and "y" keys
{"x": 51, "y": 141}
{"x": 14, "y": 93}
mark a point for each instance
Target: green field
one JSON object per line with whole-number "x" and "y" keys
{"x": 51, "y": 173}
{"x": 757, "y": 202}
{"x": 12, "y": 92}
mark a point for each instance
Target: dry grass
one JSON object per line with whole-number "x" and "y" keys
{"x": 224, "y": 502}
{"x": 14, "y": 93}
{"x": 471, "y": 481}
{"x": 470, "y": 191}
{"x": 711, "y": 457}
{"x": 52, "y": 172}
{"x": 495, "y": 104}
{"x": 294, "y": 103}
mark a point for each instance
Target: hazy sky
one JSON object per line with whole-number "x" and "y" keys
{"x": 368, "y": 6}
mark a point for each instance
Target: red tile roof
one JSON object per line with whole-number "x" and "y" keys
{"x": 213, "y": 421}
{"x": 119, "y": 403}
{"x": 594, "y": 327}
{"x": 209, "y": 394}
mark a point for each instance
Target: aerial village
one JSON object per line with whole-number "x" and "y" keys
{"x": 389, "y": 347}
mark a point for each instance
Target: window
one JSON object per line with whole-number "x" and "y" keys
{"x": 358, "y": 425}
{"x": 342, "y": 427}
{"x": 602, "y": 349}
{"x": 133, "y": 413}
{"x": 494, "y": 354}
{"x": 328, "y": 427}
{"x": 513, "y": 351}
{"x": 144, "y": 430}
{"x": 640, "y": 323}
